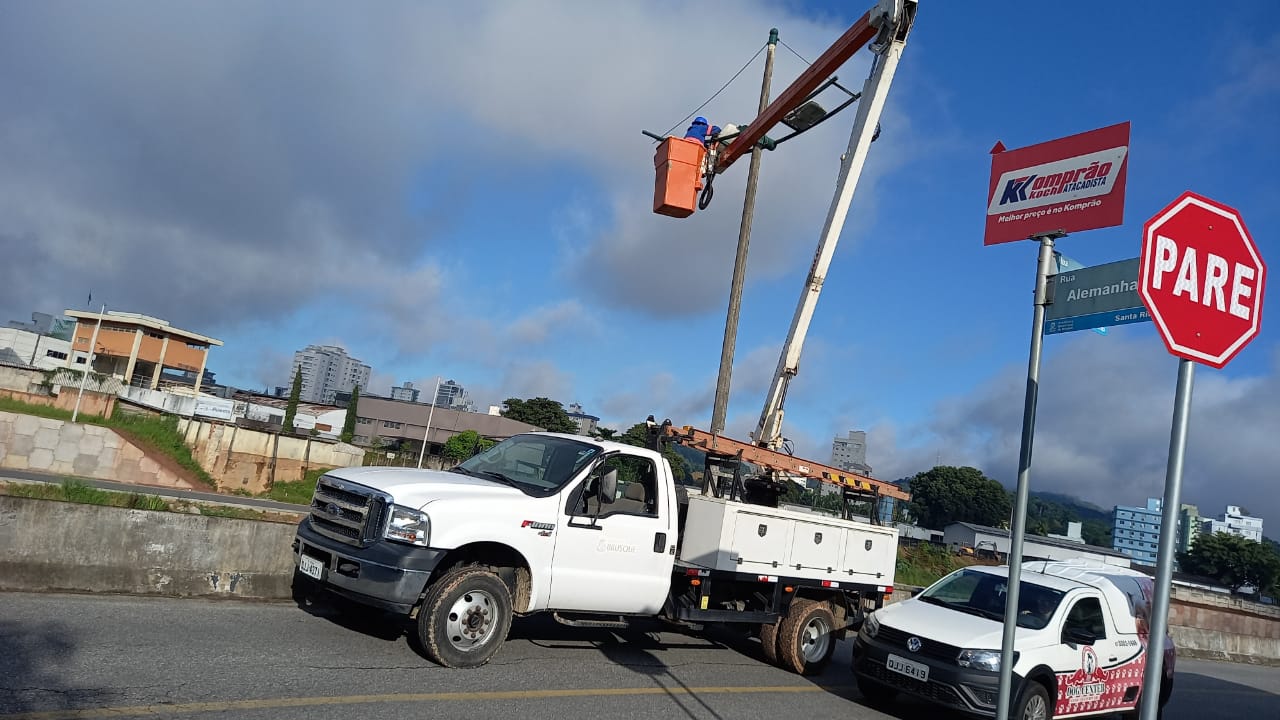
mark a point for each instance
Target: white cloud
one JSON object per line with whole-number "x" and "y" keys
{"x": 261, "y": 155}
{"x": 1102, "y": 429}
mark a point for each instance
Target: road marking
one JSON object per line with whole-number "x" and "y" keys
{"x": 294, "y": 702}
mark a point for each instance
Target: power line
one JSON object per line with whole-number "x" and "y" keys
{"x": 722, "y": 89}
{"x": 793, "y": 52}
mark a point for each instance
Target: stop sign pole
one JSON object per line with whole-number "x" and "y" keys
{"x": 1202, "y": 281}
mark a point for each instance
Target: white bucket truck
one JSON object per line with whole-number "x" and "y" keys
{"x": 596, "y": 533}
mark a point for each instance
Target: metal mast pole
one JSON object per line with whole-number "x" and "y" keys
{"x": 1018, "y": 528}
{"x": 1154, "y": 672}
{"x": 720, "y": 409}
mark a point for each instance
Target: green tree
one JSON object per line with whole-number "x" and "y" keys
{"x": 349, "y": 420}
{"x": 1233, "y": 561}
{"x": 948, "y": 494}
{"x": 605, "y": 433}
{"x": 638, "y": 435}
{"x": 291, "y": 410}
{"x": 464, "y": 445}
{"x": 540, "y": 412}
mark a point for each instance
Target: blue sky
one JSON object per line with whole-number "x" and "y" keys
{"x": 467, "y": 194}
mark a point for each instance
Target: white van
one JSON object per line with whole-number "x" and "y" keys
{"x": 1080, "y": 648}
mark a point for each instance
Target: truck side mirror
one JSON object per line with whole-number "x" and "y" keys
{"x": 607, "y": 487}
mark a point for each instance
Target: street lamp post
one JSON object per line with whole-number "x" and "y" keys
{"x": 434, "y": 395}
{"x": 88, "y": 364}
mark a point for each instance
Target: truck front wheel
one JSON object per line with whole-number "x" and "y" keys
{"x": 464, "y": 618}
{"x": 806, "y": 637}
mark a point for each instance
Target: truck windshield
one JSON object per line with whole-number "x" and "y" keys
{"x": 535, "y": 464}
{"x": 980, "y": 593}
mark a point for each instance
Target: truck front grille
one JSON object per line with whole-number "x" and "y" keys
{"x": 930, "y": 648}
{"x": 348, "y": 512}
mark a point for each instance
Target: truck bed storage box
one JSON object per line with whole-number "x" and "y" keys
{"x": 737, "y": 537}
{"x": 677, "y": 165}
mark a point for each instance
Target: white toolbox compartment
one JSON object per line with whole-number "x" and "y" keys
{"x": 721, "y": 534}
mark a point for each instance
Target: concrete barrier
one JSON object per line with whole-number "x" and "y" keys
{"x": 60, "y": 546}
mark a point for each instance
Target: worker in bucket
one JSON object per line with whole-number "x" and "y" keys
{"x": 702, "y": 131}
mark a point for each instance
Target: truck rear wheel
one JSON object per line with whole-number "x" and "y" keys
{"x": 806, "y": 637}
{"x": 465, "y": 617}
{"x": 769, "y": 643}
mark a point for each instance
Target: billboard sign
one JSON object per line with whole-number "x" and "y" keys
{"x": 214, "y": 407}
{"x": 1071, "y": 184}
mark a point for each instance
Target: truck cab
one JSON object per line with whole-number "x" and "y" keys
{"x": 540, "y": 521}
{"x": 1080, "y": 647}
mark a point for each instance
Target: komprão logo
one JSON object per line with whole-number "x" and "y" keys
{"x": 1073, "y": 178}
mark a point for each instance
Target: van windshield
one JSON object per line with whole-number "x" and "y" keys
{"x": 537, "y": 465}
{"x": 983, "y": 594}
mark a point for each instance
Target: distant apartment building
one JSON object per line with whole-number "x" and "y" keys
{"x": 454, "y": 396}
{"x": 1136, "y": 531}
{"x": 850, "y": 453}
{"x": 1235, "y": 521}
{"x": 406, "y": 392}
{"x": 587, "y": 424}
{"x": 1190, "y": 525}
{"x": 326, "y": 371}
{"x": 46, "y": 324}
{"x": 138, "y": 348}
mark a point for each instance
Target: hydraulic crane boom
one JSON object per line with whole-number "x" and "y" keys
{"x": 889, "y": 23}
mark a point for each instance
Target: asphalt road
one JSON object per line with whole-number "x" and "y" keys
{"x": 77, "y": 656}
{"x": 221, "y": 498}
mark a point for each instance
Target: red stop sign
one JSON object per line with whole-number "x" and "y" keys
{"x": 1201, "y": 279}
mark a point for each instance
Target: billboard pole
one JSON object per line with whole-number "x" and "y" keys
{"x": 1018, "y": 527}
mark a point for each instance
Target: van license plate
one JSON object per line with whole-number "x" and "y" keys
{"x": 311, "y": 567}
{"x": 906, "y": 667}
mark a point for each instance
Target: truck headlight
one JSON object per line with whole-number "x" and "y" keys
{"x": 981, "y": 659}
{"x": 409, "y": 526}
{"x": 871, "y": 624}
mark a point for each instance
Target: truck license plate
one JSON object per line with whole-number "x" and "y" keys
{"x": 906, "y": 667}
{"x": 311, "y": 567}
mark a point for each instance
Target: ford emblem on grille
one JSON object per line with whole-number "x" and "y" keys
{"x": 333, "y": 509}
{"x": 913, "y": 644}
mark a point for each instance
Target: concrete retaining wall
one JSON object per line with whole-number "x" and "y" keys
{"x": 92, "y": 403}
{"x": 28, "y": 442}
{"x": 1217, "y": 626}
{"x": 239, "y": 458}
{"x": 58, "y": 546}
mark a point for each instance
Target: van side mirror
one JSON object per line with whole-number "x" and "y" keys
{"x": 607, "y": 488}
{"x": 1078, "y": 636}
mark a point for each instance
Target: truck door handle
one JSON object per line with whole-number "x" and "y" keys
{"x": 660, "y": 543}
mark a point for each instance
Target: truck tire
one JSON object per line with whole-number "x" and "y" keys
{"x": 769, "y": 643}
{"x": 806, "y": 637}
{"x": 465, "y": 617}
{"x": 1033, "y": 703}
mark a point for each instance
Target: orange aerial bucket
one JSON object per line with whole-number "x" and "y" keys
{"x": 677, "y": 165}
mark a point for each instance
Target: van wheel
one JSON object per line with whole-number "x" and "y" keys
{"x": 464, "y": 618}
{"x": 806, "y": 637}
{"x": 769, "y": 643}
{"x": 1033, "y": 704}
{"x": 1166, "y": 688}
